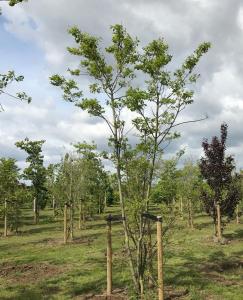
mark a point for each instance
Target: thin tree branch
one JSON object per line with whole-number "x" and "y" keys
{"x": 190, "y": 121}
{"x": 10, "y": 95}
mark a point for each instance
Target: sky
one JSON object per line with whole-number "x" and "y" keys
{"x": 33, "y": 41}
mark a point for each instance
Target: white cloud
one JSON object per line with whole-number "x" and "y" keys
{"x": 240, "y": 18}
{"x": 184, "y": 24}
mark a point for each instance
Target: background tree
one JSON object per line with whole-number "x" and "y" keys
{"x": 239, "y": 207}
{"x": 51, "y": 175}
{"x": 11, "y": 194}
{"x": 95, "y": 180}
{"x": 166, "y": 188}
{"x": 36, "y": 173}
{"x": 188, "y": 190}
{"x": 82, "y": 184}
{"x": 217, "y": 169}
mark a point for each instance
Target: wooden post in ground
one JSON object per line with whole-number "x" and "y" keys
{"x": 5, "y": 219}
{"x": 219, "y": 222}
{"x": 65, "y": 223}
{"x": 158, "y": 220}
{"x": 109, "y": 257}
{"x": 160, "y": 259}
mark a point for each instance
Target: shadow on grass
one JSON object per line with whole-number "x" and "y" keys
{"x": 78, "y": 282}
{"x": 32, "y": 293}
{"x": 201, "y": 273}
{"x": 237, "y": 234}
{"x": 39, "y": 229}
{"x": 204, "y": 225}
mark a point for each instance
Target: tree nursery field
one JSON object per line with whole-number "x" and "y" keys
{"x": 121, "y": 150}
{"x": 36, "y": 264}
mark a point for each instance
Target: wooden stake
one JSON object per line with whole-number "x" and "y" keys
{"x": 219, "y": 222}
{"x": 65, "y": 223}
{"x": 5, "y": 219}
{"x": 160, "y": 258}
{"x": 109, "y": 258}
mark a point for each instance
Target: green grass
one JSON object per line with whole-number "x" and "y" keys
{"x": 36, "y": 264}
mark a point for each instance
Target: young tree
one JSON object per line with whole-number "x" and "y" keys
{"x": 239, "y": 207}
{"x": 36, "y": 173}
{"x": 112, "y": 79}
{"x": 217, "y": 169}
{"x": 162, "y": 100}
{"x": 189, "y": 186}
{"x": 11, "y": 194}
{"x": 166, "y": 189}
{"x": 81, "y": 183}
{"x": 95, "y": 183}
{"x": 51, "y": 176}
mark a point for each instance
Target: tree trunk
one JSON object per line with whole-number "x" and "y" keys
{"x": 150, "y": 256}
{"x": 160, "y": 259}
{"x": 80, "y": 215}
{"x": 190, "y": 214}
{"x": 117, "y": 151}
{"x": 140, "y": 259}
{"x": 109, "y": 259}
{"x": 71, "y": 221}
{"x": 54, "y": 206}
{"x": 83, "y": 219}
{"x": 105, "y": 201}
{"x": 219, "y": 231}
{"x": 124, "y": 222}
{"x": 150, "y": 250}
{"x": 181, "y": 207}
{"x": 36, "y": 213}
{"x": 5, "y": 219}
{"x": 215, "y": 227}
{"x": 237, "y": 214}
{"x": 100, "y": 209}
{"x": 173, "y": 206}
{"x": 65, "y": 223}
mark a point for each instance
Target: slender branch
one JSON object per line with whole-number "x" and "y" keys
{"x": 1, "y": 107}
{"x": 166, "y": 145}
{"x": 190, "y": 121}
{"x": 108, "y": 123}
{"x": 147, "y": 123}
{"x": 129, "y": 130}
{"x": 10, "y": 95}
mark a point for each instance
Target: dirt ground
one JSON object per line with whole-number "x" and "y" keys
{"x": 28, "y": 273}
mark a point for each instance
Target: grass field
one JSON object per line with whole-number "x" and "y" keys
{"x": 36, "y": 264}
